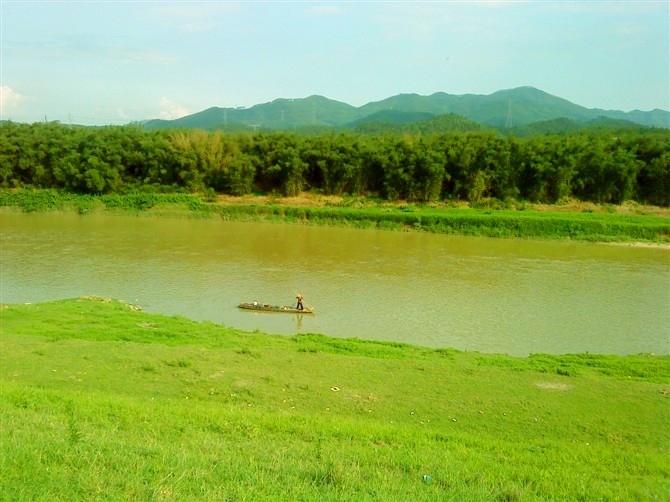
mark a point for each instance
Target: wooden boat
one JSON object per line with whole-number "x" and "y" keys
{"x": 267, "y": 307}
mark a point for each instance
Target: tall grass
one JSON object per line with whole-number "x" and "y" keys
{"x": 102, "y": 401}
{"x": 50, "y": 200}
{"x": 486, "y": 223}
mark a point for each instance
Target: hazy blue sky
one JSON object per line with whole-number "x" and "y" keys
{"x": 111, "y": 62}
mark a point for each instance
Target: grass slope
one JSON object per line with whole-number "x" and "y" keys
{"x": 102, "y": 401}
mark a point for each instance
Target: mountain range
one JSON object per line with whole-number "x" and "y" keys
{"x": 506, "y": 109}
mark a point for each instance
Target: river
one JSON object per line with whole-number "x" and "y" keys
{"x": 476, "y": 294}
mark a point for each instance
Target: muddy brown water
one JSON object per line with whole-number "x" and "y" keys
{"x": 476, "y": 294}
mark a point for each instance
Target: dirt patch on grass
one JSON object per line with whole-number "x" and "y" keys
{"x": 553, "y": 386}
{"x": 305, "y": 199}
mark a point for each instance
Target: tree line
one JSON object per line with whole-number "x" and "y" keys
{"x": 601, "y": 167}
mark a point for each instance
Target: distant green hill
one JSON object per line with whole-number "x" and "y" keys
{"x": 441, "y": 124}
{"x": 511, "y": 108}
{"x": 392, "y": 117}
{"x": 278, "y": 114}
{"x": 563, "y": 126}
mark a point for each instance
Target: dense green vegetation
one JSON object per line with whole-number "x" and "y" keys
{"x": 102, "y": 401}
{"x": 471, "y": 166}
{"x": 491, "y": 220}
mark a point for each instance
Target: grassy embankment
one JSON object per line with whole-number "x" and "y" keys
{"x": 605, "y": 224}
{"x": 101, "y": 401}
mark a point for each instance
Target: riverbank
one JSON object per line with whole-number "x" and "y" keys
{"x": 101, "y": 399}
{"x": 629, "y": 223}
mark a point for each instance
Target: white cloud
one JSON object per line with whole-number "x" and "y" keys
{"x": 10, "y": 101}
{"x": 170, "y": 110}
{"x": 142, "y": 56}
{"x": 325, "y": 10}
{"x": 193, "y": 17}
{"x": 80, "y": 48}
{"x": 121, "y": 113}
{"x": 604, "y": 8}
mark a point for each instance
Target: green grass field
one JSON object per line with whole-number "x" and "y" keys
{"x": 100, "y": 401}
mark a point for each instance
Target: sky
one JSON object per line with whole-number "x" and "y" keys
{"x": 115, "y": 62}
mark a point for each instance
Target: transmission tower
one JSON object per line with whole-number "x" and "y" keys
{"x": 508, "y": 121}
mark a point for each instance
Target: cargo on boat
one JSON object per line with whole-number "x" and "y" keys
{"x": 267, "y": 307}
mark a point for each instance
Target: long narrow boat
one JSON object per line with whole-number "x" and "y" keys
{"x": 267, "y": 307}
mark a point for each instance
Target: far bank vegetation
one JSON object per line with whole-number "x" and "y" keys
{"x": 599, "y": 166}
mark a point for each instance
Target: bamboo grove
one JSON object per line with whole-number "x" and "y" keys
{"x": 598, "y": 166}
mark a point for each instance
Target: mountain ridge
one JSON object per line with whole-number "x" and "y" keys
{"x": 505, "y": 108}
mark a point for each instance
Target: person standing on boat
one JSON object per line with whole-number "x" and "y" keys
{"x": 299, "y": 298}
